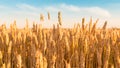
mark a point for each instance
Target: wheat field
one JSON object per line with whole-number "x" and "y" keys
{"x": 84, "y": 46}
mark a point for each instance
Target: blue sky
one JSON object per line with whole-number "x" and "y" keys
{"x": 50, "y": 2}
{"x": 72, "y": 11}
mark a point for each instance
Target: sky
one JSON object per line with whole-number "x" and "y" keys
{"x": 72, "y": 12}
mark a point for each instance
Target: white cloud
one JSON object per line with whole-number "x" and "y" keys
{"x": 87, "y": 10}
{"x": 27, "y": 7}
{"x": 52, "y": 8}
{"x": 70, "y": 7}
{"x": 98, "y": 11}
{"x": 95, "y": 11}
{"x": 2, "y": 7}
{"x": 111, "y": 5}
